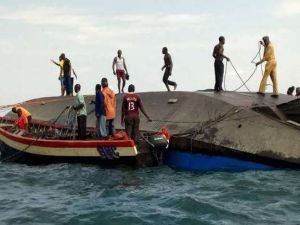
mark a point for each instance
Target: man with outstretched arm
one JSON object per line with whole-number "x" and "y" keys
{"x": 218, "y": 54}
{"x": 270, "y": 68}
{"x": 130, "y": 113}
{"x": 65, "y": 75}
{"x": 60, "y": 64}
{"x": 168, "y": 67}
{"x": 121, "y": 69}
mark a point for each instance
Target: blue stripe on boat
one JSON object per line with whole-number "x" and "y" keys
{"x": 203, "y": 162}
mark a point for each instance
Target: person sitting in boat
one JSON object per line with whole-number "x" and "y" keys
{"x": 24, "y": 111}
{"x": 22, "y": 121}
{"x": 80, "y": 108}
{"x": 130, "y": 113}
{"x": 100, "y": 112}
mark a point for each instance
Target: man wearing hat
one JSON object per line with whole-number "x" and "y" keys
{"x": 270, "y": 68}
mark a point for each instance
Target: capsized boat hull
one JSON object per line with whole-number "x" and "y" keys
{"x": 236, "y": 124}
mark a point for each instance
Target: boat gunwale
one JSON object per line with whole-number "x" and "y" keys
{"x": 55, "y": 143}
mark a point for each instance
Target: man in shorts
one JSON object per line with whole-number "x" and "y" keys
{"x": 119, "y": 68}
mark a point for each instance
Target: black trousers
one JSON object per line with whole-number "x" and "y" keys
{"x": 81, "y": 123}
{"x": 219, "y": 72}
{"x": 132, "y": 125}
{"x": 166, "y": 78}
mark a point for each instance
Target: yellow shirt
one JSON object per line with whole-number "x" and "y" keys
{"x": 24, "y": 111}
{"x": 269, "y": 53}
{"x": 61, "y": 63}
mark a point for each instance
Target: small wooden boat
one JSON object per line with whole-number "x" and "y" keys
{"x": 46, "y": 143}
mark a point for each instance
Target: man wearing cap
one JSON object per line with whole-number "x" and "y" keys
{"x": 270, "y": 68}
{"x": 80, "y": 108}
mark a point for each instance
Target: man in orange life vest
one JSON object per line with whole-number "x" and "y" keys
{"x": 110, "y": 106}
{"x": 25, "y": 112}
{"x": 130, "y": 113}
{"x": 121, "y": 69}
{"x": 22, "y": 122}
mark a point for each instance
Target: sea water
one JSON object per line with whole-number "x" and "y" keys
{"x": 88, "y": 194}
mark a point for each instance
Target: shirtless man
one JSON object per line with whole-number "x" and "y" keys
{"x": 219, "y": 66}
{"x": 168, "y": 66}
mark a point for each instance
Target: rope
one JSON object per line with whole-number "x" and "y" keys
{"x": 225, "y": 75}
{"x": 209, "y": 123}
{"x": 244, "y": 84}
{"x": 71, "y": 121}
{"x": 172, "y": 121}
{"x": 251, "y": 75}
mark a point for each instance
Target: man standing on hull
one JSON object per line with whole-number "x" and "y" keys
{"x": 60, "y": 63}
{"x": 270, "y": 68}
{"x": 121, "y": 69}
{"x": 168, "y": 66}
{"x": 219, "y": 66}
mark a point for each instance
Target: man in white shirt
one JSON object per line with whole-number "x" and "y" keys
{"x": 119, "y": 68}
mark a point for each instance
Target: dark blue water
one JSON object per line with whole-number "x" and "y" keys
{"x": 81, "y": 194}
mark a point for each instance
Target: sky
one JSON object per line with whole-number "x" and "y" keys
{"x": 90, "y": 32}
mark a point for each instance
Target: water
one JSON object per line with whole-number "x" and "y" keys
{"x": 85, "y": 194}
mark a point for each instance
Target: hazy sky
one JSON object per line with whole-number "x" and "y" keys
{"x": 90, "y": 32}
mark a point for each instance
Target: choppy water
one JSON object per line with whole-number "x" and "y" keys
{"x": 81, "y": 194}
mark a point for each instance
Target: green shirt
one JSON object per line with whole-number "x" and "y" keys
{"x": 78, "y": 101}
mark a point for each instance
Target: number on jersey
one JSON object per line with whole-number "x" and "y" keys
{"x": 131, "y": 106}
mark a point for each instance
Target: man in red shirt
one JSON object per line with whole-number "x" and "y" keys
{"x": 130, "y": 113}
{"x": 22, "y": 122}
